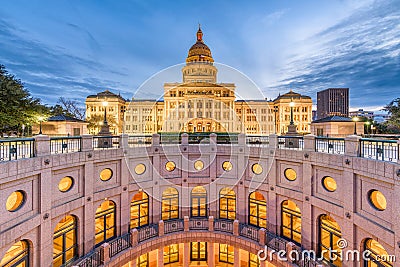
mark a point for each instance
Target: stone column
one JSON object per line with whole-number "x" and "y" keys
{"x": 210, "y": 254}
{"x": 42, "y": 145}
{"x": 236, "y": 262}
{"x": 160, "y": 262}
{"x": 242, "y": 139}
{"x": 309, "y": 142}
{"x": 134, "y": 237}
{"x": 186, "y": 223}
{"x": 87, "y": 142}
{"x": 123, "y": 141}
{"x": 261, "y": 236}
{"x": 106, "y": 252}
{"x": 352, "y": 145}
{"x": 273, "y": 141}
{"x": 211, "y": 224}
{"x": 155, "y": 141}
{"x": 236, "y": 227}
{"x": 160, "y": 228}
{"x": 186, "y": 254}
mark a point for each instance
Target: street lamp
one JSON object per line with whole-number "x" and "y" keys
{"x": 367, "y": 123}
{"x": 291, "y": 104}
{"x": 355, "y": 119}
{"x": 276, "y": 121}
{"x": 40, "y": 124}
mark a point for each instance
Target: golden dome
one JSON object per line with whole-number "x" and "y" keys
{"x": 199, "y": 52}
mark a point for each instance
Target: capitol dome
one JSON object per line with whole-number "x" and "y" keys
{"x": 199, "y": 52}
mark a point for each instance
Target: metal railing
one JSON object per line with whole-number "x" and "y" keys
{"x": 249, "y": 231}
{"x": 139, "y": 140}
{"x": 227, "y": 138}
{"x": 386, "y": 150}
{"x": 330, "y": 145}
{"x": 119, "y": 244}
{"x": 173, "y": 226}
{"x": 61, "y": 145}
{"x": 198, "y": 224}
{"x": 166, "y": 139}
{"x": 257, "y": 140}
{"x": 147, "y": 232}
{"x": 105, "y": 142}
{"x": 199, "y": 138}
{"x": 20, "y": 148}
{"x": 275, "y": 242}
{"x": 93, "y": 259}
{"x": 223, "y": 225}
{"x": 291, "y": 142}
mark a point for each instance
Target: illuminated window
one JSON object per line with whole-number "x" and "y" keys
{"x": 329, "y": 183}
{"x": 257, "y": 210}
{"x": 198, "y": 251}
{"x": 328, "y": 240}
{"x": 199, "y": 202}
{"x": 254, "y": 261}
{"x": 291, "y": 221}
{"x": 257, "y": 168}
{"x": 15, "y": 200}
{"x": 64, "y": 242}
{"x": 170, "y": 204}
{"x": 377, "y": 199}
{"x": 227, "y": 166}
{"x": 143, "y": 260}
{"x": 170, "y": 166}
{"x": 198, "y": 165}
{"x": 106, "y": 174}
{"x": 105, "y": 222}
{"x": 65, "y": 184}
{"x": 226, "y": 253}
{"x": 17, "y": 255}
{"x": 290, "y": 174}
{"x": 140, "y": 169}
{"x": 171, "y": 254}
{"x": 378, "y": 256}
{"x": 227, "y": 204}
{"x": 139, "y": 210}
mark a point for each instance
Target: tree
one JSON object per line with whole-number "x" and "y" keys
{"x": 17, "y": 106}
{"x": 393, "y": 109}
{"x": 68, "y": 108}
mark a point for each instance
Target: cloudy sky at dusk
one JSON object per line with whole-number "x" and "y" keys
{"x": 76, "y": 48}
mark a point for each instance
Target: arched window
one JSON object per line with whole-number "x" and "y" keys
{"x": 378, "y": 256}
{"x": 227, "y": 204}
{"x": 170, "y": 204}
{"x": 291, "y": 221}
{"x": 329, "y": 234}
{"x": 64, "y": 241}
{"x": 139, "y": 210}
{"x": 198, "y": 202}
{"x": 257, "y": 210}
{"x": 105, "y": 222}
{"x": 17, "y": 255}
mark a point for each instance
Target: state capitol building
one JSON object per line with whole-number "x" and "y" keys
{"x": 200, "y": 104}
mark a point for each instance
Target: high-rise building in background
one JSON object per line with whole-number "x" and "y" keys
{"x": 333, "y": 102}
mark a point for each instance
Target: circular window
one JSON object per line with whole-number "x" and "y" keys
{"x": 227, "y": 166}
{"x": 290, "y": 174}
{"x": 170, "y": 166}
{"x": 198, "y": 165}
{"x": 15, "y": 200}
{"x": 329, "y": 184}
{"x": 65, "y": 184}
{"x": 256, "y": 168}
{"x": 140, "y": 168}
{"x": 106, "y": 174}
{"x": 377, "y": 199}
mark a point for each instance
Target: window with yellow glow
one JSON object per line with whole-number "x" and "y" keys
{"x": 257, "y": 168}
{"x": 171, "y": 254}
{"x": 106, "y": 174}
{"x": 143, "y": 260}
{"x": 227, "y": 166}
{"x": 170, "y": 204}
{"x": 140, "y": 169}
{"x": 377, "y": 200}
{"x": 329, "y": 184}
{"x": 198, "y": 165}
{"x": 170, "y": 166}
{"x": 105, "y": 222}
{"x": 17, "y": 255}
{"x": 65, "y": 184}
{"x": 254, "y": 261}
{"x": 199, "y": 202}
{"x": 227, "y": 204}
{"x": 15, "y": 200}
{"x": 64, "y": 242}
{"x": 290, "y": 174}
{"x": 198, "y": 251}
{"x": 257, "y": 210}
{"x": 378, "y": 257}
{"x": 329, "y": 234}
{"x": 291, "y": 221}
{"x": 226, "y": 253}
{"x": 139, "y": 210}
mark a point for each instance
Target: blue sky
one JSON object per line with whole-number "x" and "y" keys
{"x": 76, "y": 48}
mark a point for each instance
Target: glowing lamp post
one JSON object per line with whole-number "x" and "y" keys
{"x": 355, "y": 119}
{"x": 291, "y": 104}
{"x": 40, "y": 124}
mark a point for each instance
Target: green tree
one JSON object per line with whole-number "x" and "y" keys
{"x": 393, "y": 109}
{"x": 96, "y": 121}
{"x": 17, "y": 106}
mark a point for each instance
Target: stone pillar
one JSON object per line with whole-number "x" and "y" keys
{"x": 161, "y": 228}
{"x": 160, "y": 262}
{"x": 106, "y": 253}
{"x": 42, "y": 145}
{"x": 210, "y": 252}
{"x": 186, "y": 254}
{"x": 242, "y": 139}
{"x": 123, "y": 141}
{"x": 352, "y": 145}
{"x": 213, "y": 138}
{"x": 155, "y": 141}
{"x": 184, "y": 139}
{"x": 290, "y": 246}
{"x": 273, "y": 141}
{"x": 211, "y": 224}
{"x": 87, "y": 142}
{"x": 186, "y": 223}
{"x": 261, "y": 236}
{"x": 236, "y": 227}
{"x": 236, "y": 262}
{"x": 134, "y": 237}
{"x": 309, "y": 142}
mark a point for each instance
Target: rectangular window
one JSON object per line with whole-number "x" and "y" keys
{"x": 171, "y": 254}
{"x": 226, "y": 253}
